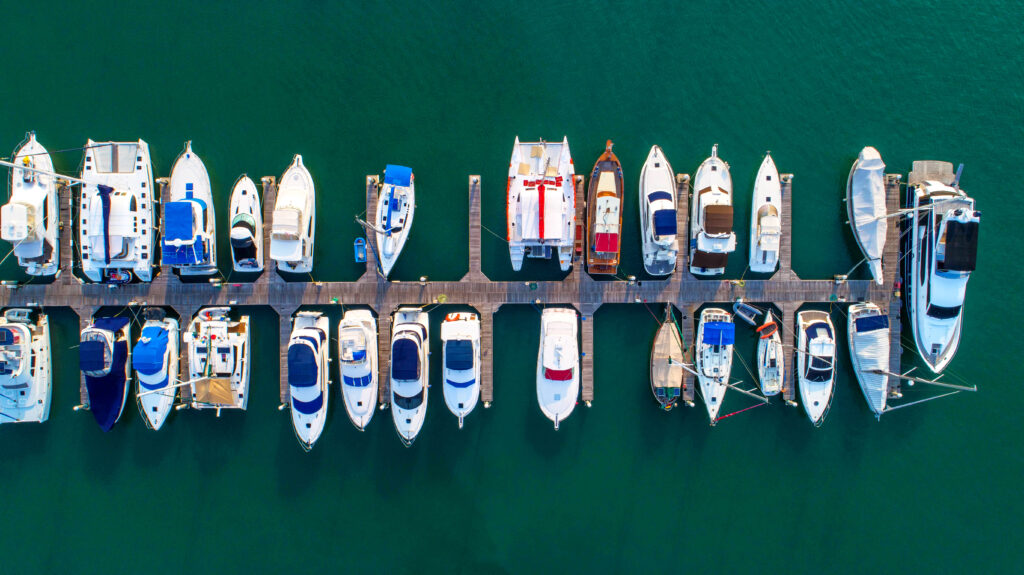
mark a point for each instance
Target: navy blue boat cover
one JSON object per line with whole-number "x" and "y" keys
{"x": 872, "y": 323}
{"x": 106, "y": 394}
{"x": 659, "y": 196}
{"x": 719, "y": 333}
{"x": 178, "y": 225}
{"x": 105, "y": 203}
{"x": 405, "y": 360}
{"x": 458, "y": 354}
{"x": 665, "y": 222}
{"x": 148, "y": 356}
{"x": 397, "y": 175}
{"x": 302, "y": 368}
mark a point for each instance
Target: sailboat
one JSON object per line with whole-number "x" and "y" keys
{"x": 308, "y": 381}
{"x": 410, "y": 372}
{"x": 189, "y": 241}
{"x": 155, "y": 359}
{"x": 716, "y": 336}
{"x": 604, "y": 214}
{"x": 558, "y": 363}
{"x": 711, "y": 235}
{"x": 357, "y": 348}
{"x": 771, "y": 361}
{"x": 867, "y": 330}
{"x": 30, "y": 216}
{"x": 766, "y": 218}
{"x": 460, "y": 340}
{"x": 816, "y": 363}
{"x": 667, "y": 362}
{"x": 294, "y": 226}
{"x": 104, "y": 356}
{"x": 395, "y": 209}
{"x": 865, "y": 207}
{"x": 26, "y": 370}
{"x": 218, "y": 360}
{"x": 658, "y": 227}
{"x": 246, "y": 227}
{"x": 541, "y": 206}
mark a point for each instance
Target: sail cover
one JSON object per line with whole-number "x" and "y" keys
{"x": 719, "y": 333}
{"x": 961, "y": 246}
{"x": 405, "y": 360}
{"x": 871, "y": 353}
{"x": 866, "y": 198}
{"x": 458, "y": 354}
{"x": 148, "y": 355}
{"x": 398, "y": 175}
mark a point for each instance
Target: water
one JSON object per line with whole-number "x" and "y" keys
{"x": 622, "y": 486}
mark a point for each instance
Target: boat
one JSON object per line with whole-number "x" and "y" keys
{"x": 667, "y": 362}
{"x": 604, "y": 214}
{"x": 357, "y": 348}
{"x": 26, "y": 370}
{"x": 294, "y": 226}
{"x": 816, "y": 363}
{"x": 943, "y": 251}
{"x": 867, "y": 330}
{"x": 711, "y": 235}
{"x": 771, "y": 358}
{"x": 865, "y": 208}
{"x": 460, "y": 341}
{"x": 308, "y": 381}
{"x": 155, "y": 360}
{"x": 395, "y": 209}
{"x": 116, "y": 213}
{"x": 558, "y": 363}
{"x": 658, "y": 220}
{"x": 359, "y": 250}
{"x": 541, "y": 208}
{"x": 189, "y": 241}
{"x": 218, "y": 360}
{"x": 410, "y": 371}
{"x": 30, "y": 216}
{"x": 716, "y": 336}
{"x": 104, "y": 356}
{"x": 746, "y": 312}
{"x": 766, "y": 218}
{"x": 246, "y": 227}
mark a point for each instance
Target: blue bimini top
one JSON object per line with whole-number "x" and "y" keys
{"x": 719, "y": 333}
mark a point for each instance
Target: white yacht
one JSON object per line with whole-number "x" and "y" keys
{"x": 766, "y": 218}
{"x": 357, "y": 348}
{"x": 711, "y": 235}
{"x": 189, "y": 224}
{"x": 771, "y": 359}
{"x": 867, "y": 329}
{"x": 716, "y": 336}
{"x": 116, "y": 212}
{"x": 26, "y": 374}
{"x": 816, "y": 363}
{"x": 30, "y": 218}
{"x": 104, "y": 356}
{"x": 410, "y": 371}
{"x": 558, "y": 363}
{"x": 308, "y": 379}
{"x": 246, "y": 227}
{"x": 294, "y": 225}
{"x": 395, "y": 209}
{"x": 943, "y": 252}
{"x": 218, "y": 360}
{"x": 865, "y": 207}
{"x": 541, "y": 206}
{"x": 658, "y": 214}
{"x": 460, "y": 338}
{"x": 155, "y": 359}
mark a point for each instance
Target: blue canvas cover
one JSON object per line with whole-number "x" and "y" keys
{"x": 405, "y": 360}
{"x": 104, "y": 192}
{"x": 110, "y": 323}
{"x": 308, "y": 407}
{"x": 872, "y": 323}
{"x": 719, "y": 333}
{"x": 90, "y": 355}
{"x": 302, "y": 368}
{"x": 665, "y": 223}
{"x": 397, "y": 175}
{"x": 178, "y": 220}
{"x": 654, "y": 196}
{"x": 458, "y": 354}
{"x": 148, "y": 356}
{"x": 106, "y": 394}
{"x": 178, "y": 225}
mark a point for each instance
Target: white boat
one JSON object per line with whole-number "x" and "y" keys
{"x": 716, "y": 336}
{"x": 189, "y": 224}
{"x": 395, "y": 209}
{"x": 410, "y": 371}
{"x": 460, "y": 340}
{"x": 26, "y": 372}
{"x": 766, "y": 218}
{"x": 943, "y": 239}
{"x": 357, "y": 348}
{"x": 867, "y": 329}
{"x": 218, "y": 360}
{"x": 771, "y": 359}
{"x": 294, "y": 227}
{"x": 246, "y": 227}
{"x": 816, "y": 363}
{"x": 658, "y": 233}
{"x": 541, "y": 207}
{"x": 308, "y": 379}
{"x": 30, "y": 216}
{"x": 865, "y": 207}
{"x": 116, "y": 212}
{"x": 155, "y": 359}
{"x": 711, "y": 235}
{"x": 558, "y": 363}
{"x": 104, "y": 356}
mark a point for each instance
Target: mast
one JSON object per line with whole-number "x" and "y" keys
{"x": 54, "y": 175}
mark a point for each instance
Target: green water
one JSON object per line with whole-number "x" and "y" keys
{"x": 445, "y": 88}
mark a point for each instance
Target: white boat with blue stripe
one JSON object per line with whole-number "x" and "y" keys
{"x": 307, "y": 375}
{"x": 395, "y": 209}
{"x": 410, "y": 371}
{"x": 189, "y": 225}
{"x": 460, "y": 338}
{"x": 155, "y": 359}
{"x": 357, "y": 348}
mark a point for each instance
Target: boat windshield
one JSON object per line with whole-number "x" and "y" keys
{"x": 409, "y": 402}
{"x": 943, "y": 312}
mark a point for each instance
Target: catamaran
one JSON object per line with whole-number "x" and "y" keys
{"x": 218, "y": 360}
{"x": 395, "y": 209}
{"x": 867, "y": 329}
{"x": 410, "y": 371}
{"x": 766, "y": 219}
{"x": 667, "y": 362}
{"x": 246, "y": 227}
{"x": 558, "y": 363}
{"x": 865, "y": 207}
{"x": 604, "y": 214}
{"x": 541, "y": 209}
{"x": 116, "y": 212}
{"x": 771, "y": 360}
{"x": 816, "y": 363}
{"x": 716, "y": 336}
{"x": 711, "y": 235}
{"x": 294, "y": 226}
{"x": 155, "y": 359}
{"x": 658, "y": 206}
{"x": 104, "y": 356}
{"x": 357, "y": 348}
{"x": 308, "y": 380}
{"x": 189, "y": 242}
{"x": 30, "y": 216}
{"x": 26, "y": 372}
{"x": 460, "y": 338}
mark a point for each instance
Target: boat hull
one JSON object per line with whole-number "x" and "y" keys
{"x": 245, "y": 200}
{"x": 604, "y": 215}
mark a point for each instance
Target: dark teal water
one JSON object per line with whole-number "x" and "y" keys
{"x": 445, "y": 88}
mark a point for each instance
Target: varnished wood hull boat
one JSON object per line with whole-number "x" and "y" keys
{"x": 604, "y": 214}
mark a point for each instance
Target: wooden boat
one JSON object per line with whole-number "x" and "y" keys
{"x": 604, "y": 214}
{"x": 666, "y": 363}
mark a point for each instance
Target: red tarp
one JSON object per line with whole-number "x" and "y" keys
{"x": 606, "y": 243}
{"x": 558, "y": 374}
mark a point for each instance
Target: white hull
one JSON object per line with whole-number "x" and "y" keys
{"x": 220, "y": 382}
{"x": 358, "y": 376}
{"x": 541, "y": 203}
{"x": 294, "y": 225}
{"x": 869, "y": 352}
{"x": 766, "y": 218}
{"x": 558, "y": 364}
{"x": 155, "y": 405}
{"x": 25, "y": 395}
{"x": 409, "y": 391}
{"x": 711, "y": 244}
{"x": 461, "y": 386}
{"x": 713, "y": 363}
{"x": 245, "y": 201}
{"x": 190, "y": 180}
{"x": 396, "y": 223}
{"x": 816, "y": 385}
{"x": 771, "y": 360}
{"x": 866, "y": 208}
{"x": 309, "y": 403}
{"x": 657, "y": 192}
{"x": 30, "y": 219}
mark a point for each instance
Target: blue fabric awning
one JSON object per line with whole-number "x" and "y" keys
{"x": 178, "y": 220}
{"x": 872, "y": 323}
{"x": 665, "y": 222}
{"x": 653, "y": 196}
{"x": 91, "y": 355}
{"x": 357, "y": 381}
{"x": 397, "y": 175}
{"x": 719, "y": 333}
{"x": 148, "y": 355}
{"x": 302, "y": 368}
{"x": 458, "y": 354}
{"x": 308, "y": 407}
{"x": 405, "y": 360}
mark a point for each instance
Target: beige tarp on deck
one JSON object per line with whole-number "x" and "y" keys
{"x": 215, "y": 391}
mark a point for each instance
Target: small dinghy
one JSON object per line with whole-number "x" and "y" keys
{"x": 357, "y": 348}
{"x": 189, "y": 240}
{"x": 766, "y": 219}
{"x": 359, "y": 249}
{"x": 868, "y": 332}
{"x": 816, "y": 363}
{"x": 104, "y": 356}
{"x": 395, "y": 210}
{"x": 667, "y": 363}
{"x": 307, "y": 376}
{"x": 746, "y": 312}
{"x": 246, "y": 227}
{"x": 26, "y": 374}
{"x": 716, "y": 336}
{"x": 30, "y": 215}
{"x": 460, "y": 338}
{"x": 865, "y": 207}
{"x": 770, "y": 357}
{"x": 410, "y": 372}
{"x": 155, "y": 359}
{"x": 558, "y": 364}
